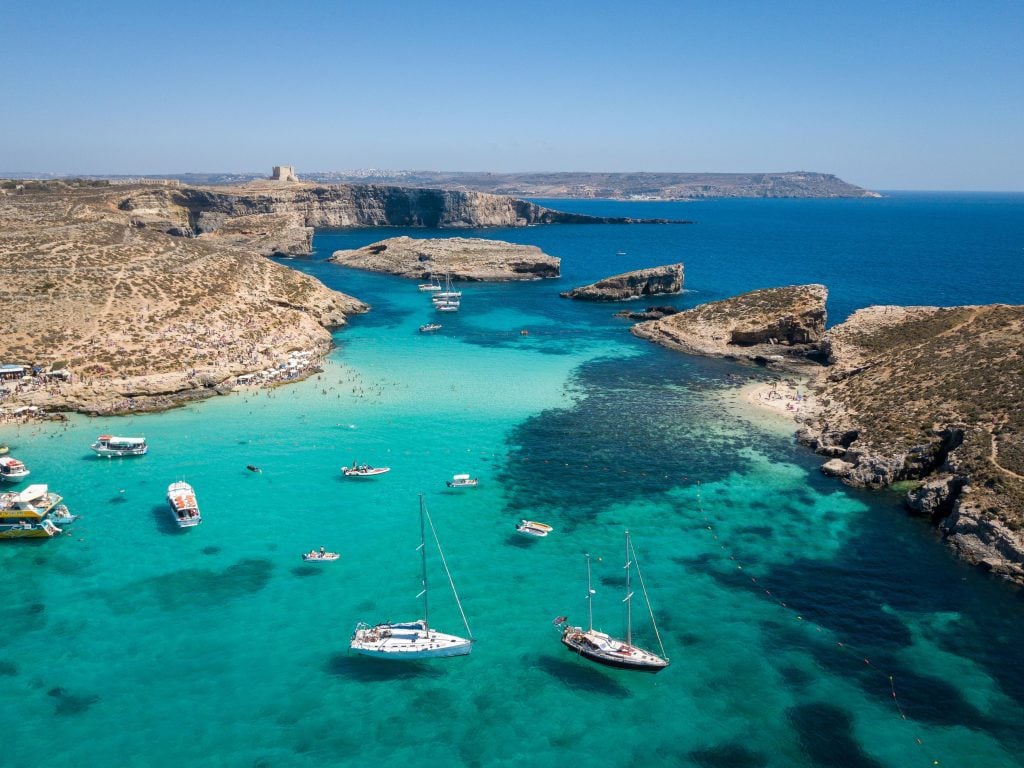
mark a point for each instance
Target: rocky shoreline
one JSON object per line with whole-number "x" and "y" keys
{"x": 924, "y": 395}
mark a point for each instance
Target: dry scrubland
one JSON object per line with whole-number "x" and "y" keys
{"x": 89, "y": 289}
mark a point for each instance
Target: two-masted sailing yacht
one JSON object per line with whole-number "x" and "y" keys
{"x": 605, "y": 649}
{"x": 414, "y": 639}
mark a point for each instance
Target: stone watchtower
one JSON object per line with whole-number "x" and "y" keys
{"x": 283, "y": 173}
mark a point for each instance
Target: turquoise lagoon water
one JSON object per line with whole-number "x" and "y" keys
{"x": 785, "y": 600}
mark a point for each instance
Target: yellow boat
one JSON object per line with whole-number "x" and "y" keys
{"x": 32, "y": 514}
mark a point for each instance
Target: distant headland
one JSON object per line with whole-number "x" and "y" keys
{"x": 570, "y": 185}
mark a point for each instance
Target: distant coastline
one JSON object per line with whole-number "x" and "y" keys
{"x": 633, "y": 187}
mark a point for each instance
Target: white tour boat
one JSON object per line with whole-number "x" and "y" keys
{"x": 12, "y": 470}
{"x": 363, "y": 470}
{"x": 111, "y": 447}
{"x": 182, "y": 500}
{"x": 533, "y": 528}
{"x": 605, "y": 649}
{"x": 414, "y": 639}
{"x": 462, "y": 481}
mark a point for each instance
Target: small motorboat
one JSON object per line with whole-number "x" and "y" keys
{"x": 533, "y": 528}
{"x": 12, "y": 470}
{"x": 314, "y": 557}
{"x": 254, "y": 468}
{"x": 363, "y": 470}
{"x": 182, "y": 500}
{"x": 430, "y": 327}
{"x": 462, "y": 481}
{"x": 4, "y": 449}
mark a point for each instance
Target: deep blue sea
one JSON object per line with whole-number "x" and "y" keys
{"x": 808, "y": 624}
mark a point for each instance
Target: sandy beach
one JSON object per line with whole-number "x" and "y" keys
{"x": 776, "y": 406}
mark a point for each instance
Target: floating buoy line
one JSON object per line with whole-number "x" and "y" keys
{"x": 890, "y": 677}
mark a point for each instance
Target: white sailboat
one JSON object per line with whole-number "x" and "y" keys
{"x": 605, "y": 649}
{"x": 414, "y": 640}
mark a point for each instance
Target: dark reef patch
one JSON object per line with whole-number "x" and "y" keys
{"x": 632, "y": 432}
{"x": 70, "y": 703}
{"x": 728, "y": 756}
{"x": 20, "y": 618}
{"x": 825, "y": 733}
{"x": 8, "y": 669}
{"x": 190, "y": 587}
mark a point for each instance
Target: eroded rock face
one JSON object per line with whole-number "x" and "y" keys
{"x": 630, "y": 285}
{"x": 189, "y": 210}
{"x": 984, "y": 539}
{"x": 772, "y": 323}
{"x": 935, "y": 497}
{"x": 463, "y": 258}
{"x": 650, "y": 313}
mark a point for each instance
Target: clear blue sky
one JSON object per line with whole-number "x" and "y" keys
{"x": 889, "y": 95}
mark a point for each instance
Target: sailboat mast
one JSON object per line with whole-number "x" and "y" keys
{"x": 629, "y": 602}
{"x": 590, "y": 598}
{"x": 423, "y": 553}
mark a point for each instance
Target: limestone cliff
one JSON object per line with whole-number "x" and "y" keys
{"x": 631, "y": 285}
{"x": 766, "y": 325}
{"x": 463, "y": 258}
{"x": 300, "y": 207}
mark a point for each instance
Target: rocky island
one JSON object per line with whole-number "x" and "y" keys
{"x": 463, "y": 258}
{"x": 631, "y": 285}
{"x": 769, "y": 325}
{"x": 927, "y": 396}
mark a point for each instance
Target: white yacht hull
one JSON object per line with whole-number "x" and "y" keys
{"x": 111, "y": 453}
{"x": 408, "y": 642}
{"x": 14, "y": 477}
{"x": 605, "y": 649}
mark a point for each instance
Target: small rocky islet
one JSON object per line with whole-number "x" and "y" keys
{"x": 652, "y": 281}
